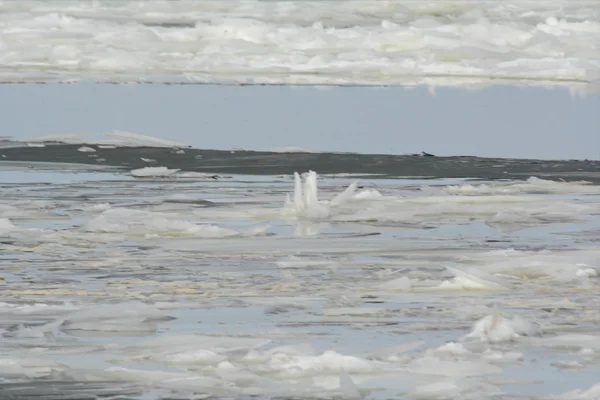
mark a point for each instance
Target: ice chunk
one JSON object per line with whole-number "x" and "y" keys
{"x": 499, "y": 357}
{"x": 452, "y": 348}
{"x": 329, "y": 362}
{"x": 472, "y": 279}
{"x": 587, "y": 272}
{"x": 348, "y": 387}
{"x": 306, "y": 204}
{"x": 368, "y": 194}
{"x": 306, "y": 200}
{"x": 153, "y": 172}
{"x": 85, "y": 149}
{"x": 496, "y": 328}
{"x": 346, "y": 195}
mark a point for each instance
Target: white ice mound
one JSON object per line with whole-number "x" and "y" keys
{"x": 305, "y": 203}
{"x": 330, "y": 362}
{"x": 472, "y": 279}
{"x": 153, "y": 172}
{"x": 496, "y": 328}
{"x": 306, "y": 199}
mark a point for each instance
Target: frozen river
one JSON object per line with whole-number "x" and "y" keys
{"x": 178, "y": 285}
{"x": 244, "y": 216}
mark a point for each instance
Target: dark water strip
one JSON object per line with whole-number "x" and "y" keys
{"x": 222, "y": 162}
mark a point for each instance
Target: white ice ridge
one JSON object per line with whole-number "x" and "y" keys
{"x": 438, "y": 43}
{"x": 116, "y": 138}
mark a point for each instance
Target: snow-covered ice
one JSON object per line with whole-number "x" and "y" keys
{"x": 437, "y": 43}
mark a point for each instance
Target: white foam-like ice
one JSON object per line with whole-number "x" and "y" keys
{"x": 498, "y": 328}
{"x": 439, "y": 43}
